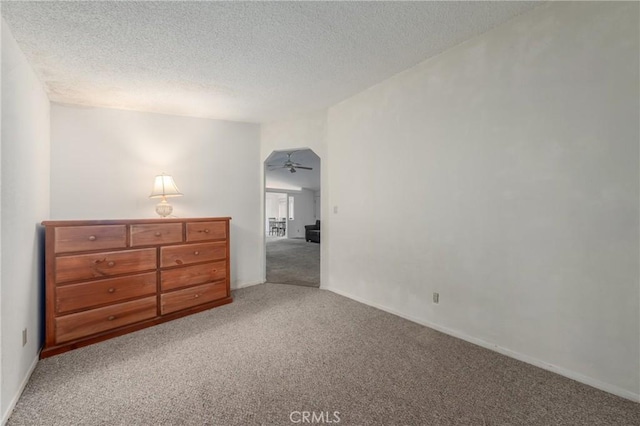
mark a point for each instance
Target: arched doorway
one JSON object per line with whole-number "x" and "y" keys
{"x": 292, "y": 217}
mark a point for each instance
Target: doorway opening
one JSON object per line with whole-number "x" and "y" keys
{"x": 292, "y": 217}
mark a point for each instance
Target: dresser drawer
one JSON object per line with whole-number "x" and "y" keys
{"x": 84, "y": 238}
{"x": 202, "y": 231}
{"x": 86, "y": 323}
{"x": 73, "y": 297}
{"x": 191, "y": 275}
{"x": 99, "y": 265}
{"x": 192, "y": 253}
{"x": 193, "y": 296}
{"x": 161, "y": 233}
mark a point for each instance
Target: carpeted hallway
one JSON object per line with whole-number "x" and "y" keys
{"x": 279, "y": 349}
{"x": 293, "y": 261}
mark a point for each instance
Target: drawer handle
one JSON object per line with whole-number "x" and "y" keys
{"x": 158, "y": 234}
{"x": 92, "y": 238}
{"x": 196, "y": 296}
{"x": 206, "y": 231}
{"x": 111, "y": 317}
{"x": 111, "y": 264}
{"x": 112, "y": 290}
{"x": 196, "y": 252}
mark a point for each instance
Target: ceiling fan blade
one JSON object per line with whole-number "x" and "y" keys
{"x": 288, "y": 165}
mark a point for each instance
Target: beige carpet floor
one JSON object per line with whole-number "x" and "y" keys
{"x": 280, "y": 349}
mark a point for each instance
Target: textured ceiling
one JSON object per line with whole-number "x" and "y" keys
{"x": 245, "y": 61}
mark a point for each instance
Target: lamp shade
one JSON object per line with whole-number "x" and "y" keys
{"x": 164, "y": 186}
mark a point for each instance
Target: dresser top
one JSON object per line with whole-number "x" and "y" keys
{"x": 129, "y": 221}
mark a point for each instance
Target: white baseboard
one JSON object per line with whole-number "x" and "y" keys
{"x": 237, "y": 286}
{"x": 607, "y": 387}
{"x": 16, "y": 397}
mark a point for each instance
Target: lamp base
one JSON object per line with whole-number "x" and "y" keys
{"x": 163, "y": 208}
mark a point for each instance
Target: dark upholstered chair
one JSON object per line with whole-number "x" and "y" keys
{"x": 312, "y": 232}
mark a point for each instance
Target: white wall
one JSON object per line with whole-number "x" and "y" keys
{"x": 307, "y": 131}
{"x": 503, "y": 174}
{"x": 24, "y": 204}
{"x": 317, "y": 205}
{"x": 103, "y": 162}
{"x": 303, "y": 213}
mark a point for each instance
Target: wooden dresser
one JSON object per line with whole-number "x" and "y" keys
{"x": 111, "y": 277}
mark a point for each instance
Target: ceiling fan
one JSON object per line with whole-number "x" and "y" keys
{"x": 289, "y": 164}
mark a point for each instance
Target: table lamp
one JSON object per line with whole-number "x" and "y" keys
{"x": 164, "y": 187}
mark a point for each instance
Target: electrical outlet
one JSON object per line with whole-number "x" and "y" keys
{"x": 24, "y": 337}
{"x": 335, "y": 209}
{"x": 436, "y": 297}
